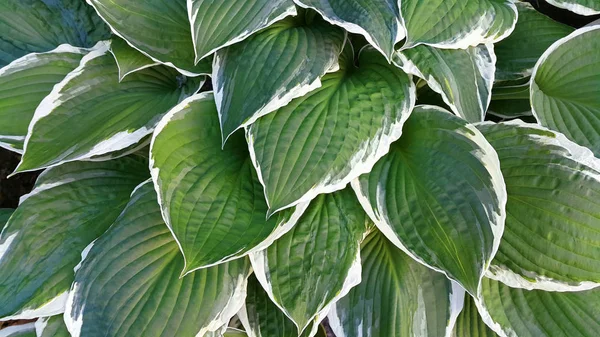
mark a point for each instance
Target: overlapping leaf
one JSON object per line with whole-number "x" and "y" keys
{"x": 53, "y": 326}
{"x": 397, "y": 297}
{"x": 533, "y": 34}
{"x": 511, "y": 101}
{"x": 90, "y": 113}
{"x": 24, "y": 330}
{"x": 320, "y": 142}
{"x": 295, "y": 52}
{"x": 318, "y": 261}
{"x": 23, "y": 85}
{"x": 377, "y": 20}
{"x": 158, "y": 28}
{"x": 454, "y": 24}
{"x": 128, "y": 59}
{"x": 70, "y": 206}
{"x": 512, "y": 312}
{"x": 210, "y": 198}
{"x": 463, "y": 77}
{"x": 564, "y": 87}
{"x": 39, "y": 26}
{"x": 128, "y": 283}
{"x": 469, "y": 322}
{"x": 217, "y": 24}
{"x": 439, "y": 195}
{"x": 581, "y": 7}
{"x": 552, "y": 235}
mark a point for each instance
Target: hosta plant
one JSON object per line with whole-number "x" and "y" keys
{"x": 263, "y": 168}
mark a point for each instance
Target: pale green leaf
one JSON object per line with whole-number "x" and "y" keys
{"x": 533, "y": 34}
{"x": 100, "y": 114}
{"x": 217, "y": 24}
{"x": 454, "y": 24}
{"x": 377, "y": 20}
{"x": 318, "y": 261}
{"x": 564, "y": 87}
{"x": 512, "y": 312}
{"x": 210, "y": 198}
{"x": 158, "y": 28}
{"x": 397, "y": 297}
{"x": 22, "y": 330}
{"x": 464, "y": 77}
{"x": 23, "y": 85}
{"x": 39, "y": 26}
{"x": 299, "y": 52}
{"x": 581, "y": 7}
{"x": 469, "y": 323}
{"x": 551, "y": 239}
{"x": 129, "y": 60}
{"x": 128, "y": 282}
{"x": 70, "y": 206}
{"x": 320, "y": 142}
{"x": 53, "y": 326}
{"x": 439, "y": 195}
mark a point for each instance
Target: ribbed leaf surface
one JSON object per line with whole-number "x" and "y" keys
{"x": 53, "y": 326}
{"x": 128, "y": 282}
{"x": 320, "y": 142}
{"x": 469, "y": 323}
{"x": 129, "y": 60}
{"x": 564, "y": 88}
{"x": 397, "y": 297}
{"x": 439, "y": 195}
{"x": 299, "y": 53}
{"x": 70, "y": 206}
{"x": 511, "y": 100}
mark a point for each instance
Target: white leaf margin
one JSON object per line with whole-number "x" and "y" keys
{"x": 573, "y": 7}
{"x": 17, "y": 330}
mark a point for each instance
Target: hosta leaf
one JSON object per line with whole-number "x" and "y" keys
{"x": 158, "y": 28}
{"x": 210, "y": 198}
{"x": 439, "y": 195}
{"x": 128, "y": 282}
{"x": 510, "y": 101}
{"x": 318, "y": 261}
{"x": 38, "y": 26}
{"x": 533, "y": 34}
{"x": 51, "y": 327}
{"x": 23, "y": 85}
{"x": 463, "y": 77}
{"x": 5, "y": 214}
{"x": 377, "y": 20}
{"x": 512, "y": 312}
{"x": 129, "y": 60}
{"x": 262, "y": 318}
{"x": 454, "y": 24}
{"x": 122, "y": 113}
{"x": 297, "y": 51}
{"x": 581, "y": 7}
{"x": 320, "y": 142}
{"x": 564, "y": 88}
{"x": 217, "y": 24}
{"x": 231, "y": 332}
{"x": 397, "y": 297}
{"x": 552, "y": 236}
{"x": 469, "y": 323}
{"x": 23, "y": 330}
{"x": 70, "y": 206}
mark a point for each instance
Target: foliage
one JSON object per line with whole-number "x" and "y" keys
{"x": 253, "y": 167}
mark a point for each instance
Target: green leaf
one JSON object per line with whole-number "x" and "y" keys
{"x": 212, "y": 27}
{"x": 128, "y": 282}
{"x": 297, "y": 51}
{"x": 377, "y": 20}
{"x": 512, "y": 312}
{"x": 533, "y": 34}
{"x": 5, "y": 214}
{"x": 101, "y": 114}
{"x": 320, "y": 142}
{"x": 469, "y": 323}
{"x": 210, "y": 198}
{"x": 318, "y": 261}
{"x": 160, "y": 29}
{"x": 23, "y": 330}
{"x": 510, "y": 101}
{"x": 564, "y": 89}
{"x": 439, "y": 195}
{"x": 465, "y": 22}
{"x": 551, "y": 239}
{"x": 231, "y": 332}
{"x": 129, "y": 60}
{"x": 38, "y": 26}
{"x": 581, "y": 7}
{"x": 70, "y": 206}
{"x": 397, "y": 297}
{"x": 53, "y": 326}
{"x": 23, "y": 85}
{"x": 464, "y": 77}
{"x": 262, "y": 318}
